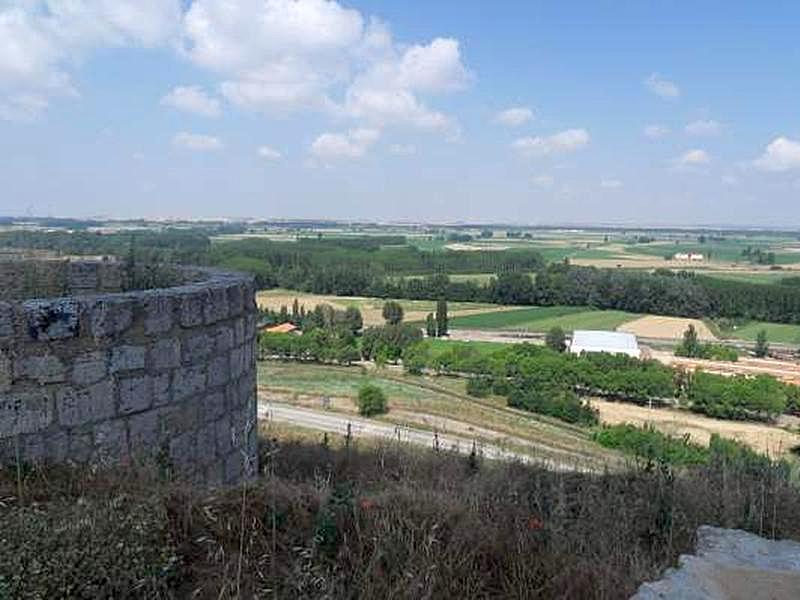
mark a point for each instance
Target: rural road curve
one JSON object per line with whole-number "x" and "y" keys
{"x": 360, "y": 427}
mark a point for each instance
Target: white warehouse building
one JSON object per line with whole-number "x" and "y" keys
{"x": 613, "y": 342}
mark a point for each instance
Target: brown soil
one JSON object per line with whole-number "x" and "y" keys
{"x": 666, "y": 328}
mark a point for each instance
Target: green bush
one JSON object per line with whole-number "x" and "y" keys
{"x": 371, "y": 401}
{"x": 554, "y": 401}
{"x": 479, "y": 387}
{"x": 651, "y": 445}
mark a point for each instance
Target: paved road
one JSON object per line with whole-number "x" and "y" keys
{"x": 360, "y": 427}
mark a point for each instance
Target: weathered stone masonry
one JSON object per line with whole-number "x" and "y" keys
{"x": 164, "y": 376}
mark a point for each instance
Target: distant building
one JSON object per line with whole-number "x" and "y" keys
{"x": 690, "y": 256}
{"x": 613, "y": 342}
{"x": 282, "y": 328}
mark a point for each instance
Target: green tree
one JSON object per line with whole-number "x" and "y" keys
{"x": 393, "y": 313}
{"x": 441, "y": 318}
{"x": 371, "y": 400}
{"x": 690, "y": 346}
{"x": 430, "y": 325}
{"x": 762, "y": 345}
{"x": 295, "y": 311}
{"x": 556, "y": 339}
{"x": 352, "y": 319}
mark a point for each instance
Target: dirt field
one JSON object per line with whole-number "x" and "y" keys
{"x": 784, "y": 370}
{"x": 371, "y": 308}
{"x": 666, "y": 328}
{"x": 765, "y": 438}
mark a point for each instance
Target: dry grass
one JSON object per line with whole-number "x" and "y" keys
{"x": 770, "y": 440}
{"x": 377, "y": 522}
{"x": 371, "y": 308}
{"x": 666, "y": 328}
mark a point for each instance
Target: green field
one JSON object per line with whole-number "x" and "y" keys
{"x": 776, "y": 332}
{"x": 543, "y": 318}
{"x": 764, "y": 277}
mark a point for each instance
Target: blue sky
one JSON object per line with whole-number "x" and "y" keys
{"x": 630, "y": 112}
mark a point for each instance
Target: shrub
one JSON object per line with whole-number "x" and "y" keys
{"x": 479, "y": 387}
{"x": 371, "y": 401}
{"x": 554, "y": 401}
{"x": 651, "y": 445}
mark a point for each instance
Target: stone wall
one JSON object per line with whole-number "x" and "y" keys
{"x": 44, "y": 278}
{"x": 161, "y": 377}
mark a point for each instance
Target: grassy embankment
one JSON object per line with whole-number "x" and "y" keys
{"x": 435, "y": 403}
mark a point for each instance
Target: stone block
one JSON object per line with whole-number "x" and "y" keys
{"x": 49, "y": 320}
{"x": 162, "y": 389}
{"x": 81, "y": 447}
{"x": 190, "y": 307}
{"x": 127, "y": 358}
{"x": 178, "y": 419}
{"x": 223, "y": 340}
{"x": 237, "y": 362}
{"x": 135, "y": 394}
{"x": 206, "y": 443}
{"x": 224, "y": 435}
{"x": 89, "y": 368}
{"x": 183, "y": 452}
{"x": 218, "y": 371}
{"x": 213, "y": 406}
{"x": 111, "y": 316}
{"x": 6, "y": 321}
{"x": 238, "y": 332}
{"x": 165, "y": 354}
{"x": 234, "y": 467}
{"x": 188, "y": 381}
{"x": 25, "y": 412}
{"x": 110, "y": 442}
{"x": 158, "y": 313}
{"x": 6, "y": 372}
{"x": 249, "y": 327}
{"x": 144, "y": 434}
{"x": 197, "y": 348}
{"x": 235, "y": 300}
{"x": 216, "y": 306}
{"x": 76, "y": 407}
{"x": 43, "y": 369}
{"x": 56, "y": 447}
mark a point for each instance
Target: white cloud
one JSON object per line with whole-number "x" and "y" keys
{"x": 692, "y": 158}
{"x": 704, "y": 127}
{"x": 269, "y": 153}
{"x": 659, "y": 86}
{"x": 611, "y": 184}
{"x": 402, "y": 149}
{"x": 564, "y": 141}
{"x": 194, "y": 100}
{"x": 655, "y": 131}
{"x": 196, "y": 141}
{"x": 42, "y": 40}
{"x": 543, "y": 181}
{"x": 782, "y": 154}
{"x": 349, "y": 145}
{"x": 514, "y": 117}
{"x": 280, "y": 56}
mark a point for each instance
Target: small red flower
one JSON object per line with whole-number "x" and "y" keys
{"x": 366, "y": 504}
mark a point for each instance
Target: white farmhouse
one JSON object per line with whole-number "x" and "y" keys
{"x": 613, "y": 342}
{"x": 690, "y": 256}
